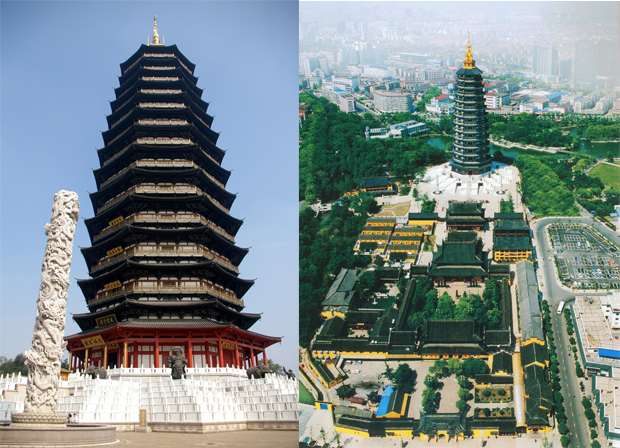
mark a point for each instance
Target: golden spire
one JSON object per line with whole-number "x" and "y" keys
{"x": 469, "y": 62}
{"x": 155, "y": 35}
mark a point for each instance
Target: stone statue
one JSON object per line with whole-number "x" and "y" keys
{"x": 96, "y": 372}
{"x": 43, "y": 359}
{"x": 258, "y": 371}
{"x": 177, "y": 363}
{"x": 289, "y": 374}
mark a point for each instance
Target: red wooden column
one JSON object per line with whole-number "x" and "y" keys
{"x": 265, "y": 358}
{"x": 237, "y": 365}
{"x": 252, "y": 357}
{"x": 156, "y": 351}
{"x": 135, "y": 354}
{"x": 190, "y": 357}
{"x": 221, "y": 351}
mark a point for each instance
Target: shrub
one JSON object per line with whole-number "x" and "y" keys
{"x": 572, "y": 341}
{"x": 501, "y": 392}
{"x": 486, "y": 393}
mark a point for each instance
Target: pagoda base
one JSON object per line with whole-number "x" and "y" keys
{"x": 464, "y": 174}
{"x": 73, "y": 436}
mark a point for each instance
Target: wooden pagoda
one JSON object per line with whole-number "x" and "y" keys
{"x": 163, "y": 261}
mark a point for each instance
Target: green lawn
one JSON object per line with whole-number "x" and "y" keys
{"x": 305, "y": 396}
{"x": 608, "y": 174}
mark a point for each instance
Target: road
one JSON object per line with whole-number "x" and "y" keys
{"x": 554, "y": 292}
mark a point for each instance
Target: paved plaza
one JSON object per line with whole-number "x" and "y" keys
{"x": 250, "y": 439}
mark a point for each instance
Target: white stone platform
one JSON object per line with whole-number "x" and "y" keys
{"x": 209, "y": 396}
{"x": 442, "y": 179}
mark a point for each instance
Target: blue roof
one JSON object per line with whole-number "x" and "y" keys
{"x": 602, "y": 352}
{"x": 338, "y": 90}
{"x": 385, "y": 401}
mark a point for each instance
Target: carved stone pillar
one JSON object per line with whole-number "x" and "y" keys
{"x": 48, "y": 346}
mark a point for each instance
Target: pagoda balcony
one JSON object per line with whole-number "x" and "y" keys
{"x": 162, "y": 189}
{"x": 160, "y": 78}
{"x": 154, "y": 67}
{"x": 153, "y": 251}
{"x": 161, "y": 163}
{"x": 173, "y": 218}
{"x": 157, "y": 287}
{"x": 161, "y": 91}
{"x": 161, "y": 105}
{"x": 155, "y": 141}
{"x": 154, "y": 55}
{"x": 162, "y": 55}
{"x": 166, "y": 122}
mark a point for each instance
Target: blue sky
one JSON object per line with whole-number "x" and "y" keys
{"x": 59, "y": 66}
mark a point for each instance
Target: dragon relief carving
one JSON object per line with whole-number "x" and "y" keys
{"x": 44, "y": 358}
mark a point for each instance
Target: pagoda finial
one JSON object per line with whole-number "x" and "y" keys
{"x": 155, "y": 35}
{"x": 469, "y": 62}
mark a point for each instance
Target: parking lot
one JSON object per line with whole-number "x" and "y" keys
{"x": 585, "y": 259}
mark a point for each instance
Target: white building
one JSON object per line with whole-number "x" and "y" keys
{"x": 407, "y": 128}
{"x": 346, "y": 103}
{"x": 610, "y": 304}
{"x": 392, "y": 101}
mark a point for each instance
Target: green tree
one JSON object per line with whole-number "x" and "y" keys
{"x": 366, "y": 282}
{"x": 13, "y": 366}
{"x": 595, "y": 444}
{"x": 428, "y": 400}
{"x": 564, "y": 440}
{"x": 465, "y": 395}
{"x": 445, "y": 307}
{"x": 592, "y": 423}
{"x": 589, "y": 413}
{"x": 440, "y": 365}
{"x": 405, "y": 378}
{"x": 389, "y": 372}
{"x": 462, "y": 406}
{"x": 373, "y": 396}
{"x": 593, "y": 434}
{"x": 432, "y": 382}
{"x": 562, "y": 428}
{"x": 473, "y": 367}
{"x": 454, "y": 366}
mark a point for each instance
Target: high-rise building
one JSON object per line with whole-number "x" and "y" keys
{"x": 585, "y": 62}
{"x": 608, "y": 61}
{"x": 163, "y": 262}
{"x": 566, "y": 66}
{"x": 545, "y": 60}
{"x": 470, "y": 151}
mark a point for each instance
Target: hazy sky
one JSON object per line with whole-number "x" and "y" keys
{"x": 59, "y": 66}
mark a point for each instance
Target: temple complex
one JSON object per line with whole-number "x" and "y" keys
{"x": 163, "y": 262}
{"x": 470, "y": 153}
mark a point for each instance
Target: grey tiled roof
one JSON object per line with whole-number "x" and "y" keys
{"x": 529, "y": 308}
